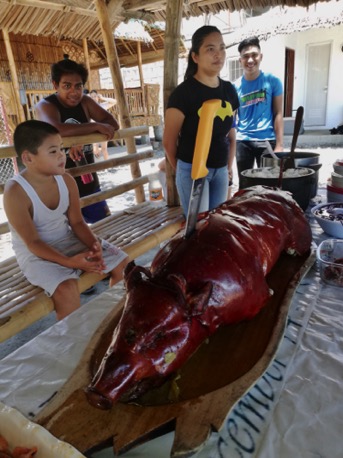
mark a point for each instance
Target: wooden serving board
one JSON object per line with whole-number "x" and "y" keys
{"x": 210, "y": 383}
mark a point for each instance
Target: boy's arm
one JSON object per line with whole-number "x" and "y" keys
{"x": 18, "y": 208}
{"x": 107, "y": 102}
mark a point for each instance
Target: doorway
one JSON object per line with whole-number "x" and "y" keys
{"x": 289, "y": 82}
{"x": 317, "y": 78}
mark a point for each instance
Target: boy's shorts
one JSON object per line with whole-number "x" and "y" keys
{"x": 48, "y": 275}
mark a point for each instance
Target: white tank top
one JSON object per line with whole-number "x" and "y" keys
{"x": 52, "y": 225}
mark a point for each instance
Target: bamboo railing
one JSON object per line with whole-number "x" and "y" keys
{"x": 142, "y": 104}
{"x": 131, "y": 158}
{"x": 8, "y": 151}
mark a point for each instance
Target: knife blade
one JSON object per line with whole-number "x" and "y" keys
{"x": 199, "y": 171}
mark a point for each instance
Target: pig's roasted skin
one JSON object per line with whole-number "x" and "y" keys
{"x": 215, "y": 277}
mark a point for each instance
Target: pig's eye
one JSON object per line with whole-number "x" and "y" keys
{"x": 130, "y": 336}
{"x": 160, "y": 335}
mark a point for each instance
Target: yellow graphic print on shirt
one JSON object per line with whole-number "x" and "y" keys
{"x": 222, "y": 112}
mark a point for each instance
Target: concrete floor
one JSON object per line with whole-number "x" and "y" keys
{"x": 314, "y": 139}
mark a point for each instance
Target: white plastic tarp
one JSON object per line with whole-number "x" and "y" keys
{"x": 294, "y": 410}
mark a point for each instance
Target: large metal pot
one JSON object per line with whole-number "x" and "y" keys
{"x": 299, "y": 186}
{"x": 301, "y": 159}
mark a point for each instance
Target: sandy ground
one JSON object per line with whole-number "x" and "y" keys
{"x": 117, "y": 176}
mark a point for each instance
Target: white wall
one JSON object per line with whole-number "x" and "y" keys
{"x": 334, "y": 35}
{"x": 274, "y": 61}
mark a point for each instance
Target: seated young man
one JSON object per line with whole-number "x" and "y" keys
{"x": 52, "y": 242}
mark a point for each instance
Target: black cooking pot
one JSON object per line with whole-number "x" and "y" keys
{"x": 301, "y": 159}
{"x": 299, "y": 186}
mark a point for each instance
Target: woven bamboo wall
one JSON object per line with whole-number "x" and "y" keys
{"x": 33, "y": 58}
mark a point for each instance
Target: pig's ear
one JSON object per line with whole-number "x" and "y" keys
{"x": 133, "y": 275}
{"x": 198, "y": 301}
{"x": 178, "y": 284}
{"x": 130, "y": 266}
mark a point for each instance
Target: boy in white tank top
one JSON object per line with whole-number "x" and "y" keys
{"x": 50, "y": 238}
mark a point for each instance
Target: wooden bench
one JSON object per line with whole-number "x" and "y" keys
{"x": 136, "y": 230}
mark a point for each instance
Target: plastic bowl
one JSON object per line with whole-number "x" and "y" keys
{"x": 338, "y": 167}
{"x": 330, "y": 223}
{"x": 333, "y": 194}
{"x": 337, "y": 180}
{"x": 330, "y": 260}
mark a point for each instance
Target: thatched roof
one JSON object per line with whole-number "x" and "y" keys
{"x": 70, "y": 21}
{"x": 127, "y": 36}
{"x": 152, "y": 50}
{"x": 283, "y": 21}
{"x": 77, "y": 19}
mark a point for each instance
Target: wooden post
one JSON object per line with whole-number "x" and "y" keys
{"x": 140, "y": 70}
{"x": 14, "y": 76}
{"x": 170, "y": 80}
{"x": 86, "y": 54}
{"x": 113, "y": 62}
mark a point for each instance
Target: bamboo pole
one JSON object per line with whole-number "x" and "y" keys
{"x": 86, "y": 54}
{"x": 115, "y": 162}
{"x": 170, "y": 77}
{"x": 108, "y": 193}
{"x": 9, "y": 151}
{"x": 14, "y": 75}
{"x": 114, "y": 65}
{"x": 53, "y": 6}
{"x": 113, "y": 192}
{"x": 141, "y": 78}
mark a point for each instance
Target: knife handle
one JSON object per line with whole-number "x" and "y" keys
{"x": 203, "y": 139}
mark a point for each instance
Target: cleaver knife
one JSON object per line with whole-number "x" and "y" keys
{"x": 199, "y": 171}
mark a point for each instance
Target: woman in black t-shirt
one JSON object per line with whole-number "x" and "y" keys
{"x": 202, "y": 82}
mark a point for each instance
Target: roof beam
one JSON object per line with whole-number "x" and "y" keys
{"x": 101, "y": 52}
{"x": 148, "y": 57}
{"x": 50, "y": 6}
{"x": 134, "y": 5}
{"x": 143, "y": 15}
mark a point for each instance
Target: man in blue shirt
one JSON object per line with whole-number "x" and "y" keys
{"x": 260, "y": 116}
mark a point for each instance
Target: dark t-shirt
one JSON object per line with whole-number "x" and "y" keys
{"x": 188, "y": 97}
{"x": 77, "y": 115}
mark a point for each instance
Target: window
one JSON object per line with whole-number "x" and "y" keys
{"x": 235, "y": 69}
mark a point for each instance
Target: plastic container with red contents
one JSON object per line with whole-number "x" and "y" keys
{"x": 334, "y": 194}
